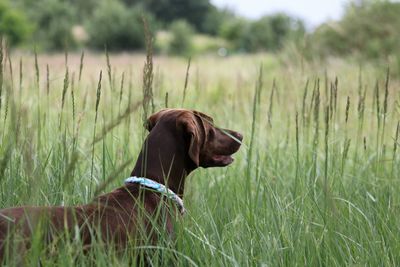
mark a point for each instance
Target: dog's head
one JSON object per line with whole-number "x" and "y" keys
{"x": 208, "y": 146}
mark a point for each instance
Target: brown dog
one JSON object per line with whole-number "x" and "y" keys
{"x": 179, "y": 141}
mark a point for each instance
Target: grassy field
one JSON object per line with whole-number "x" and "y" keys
{"x": 316, "y": 182}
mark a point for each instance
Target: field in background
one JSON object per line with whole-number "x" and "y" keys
{"x": 315, "y": 183}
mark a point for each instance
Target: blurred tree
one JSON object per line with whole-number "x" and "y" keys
{"x": 52, "y": 20}
{"x": 215, "y": 19}
{"x": 193, "y": 11}
{"x": 84, "y": 8}
{"x": 181, "y": 43}
{"x": 233, "y": 29}
{"x": 118, "y": 24}
{"x": 281, "y": 26}
{"x": 258, "y": 36}
{"x": 13, "y": 24}
{"x": 133, "y": 2}
{"x": 369, "y": 29}
{"x": 117, "y": 27}
{"x": 269, "y": 33}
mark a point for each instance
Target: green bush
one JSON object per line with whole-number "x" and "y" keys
{"x": 257, "y": 36}
{"x": 13, "y": 24}
{"x": 84, "y": 8}
{"x": 52, "y": 21}
{"x": 233, "y": 29}
{"x": 368, "y": 29}
{"x": 269, "y": 33}
{"x": 181, "y": 42}
{"x": 215, "y": 19}
{"x": 167, "y": 11}
{"x": 117, "y": 27}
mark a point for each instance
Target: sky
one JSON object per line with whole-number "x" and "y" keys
{"x": 313, "y": 12}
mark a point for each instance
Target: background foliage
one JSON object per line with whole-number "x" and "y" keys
{"x": 368, "y": 29}
{"x": 117, "y": 24}
{"x": 13, "y": 24}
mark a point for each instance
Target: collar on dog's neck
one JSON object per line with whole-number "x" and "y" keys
{"x": 159, "y": 188}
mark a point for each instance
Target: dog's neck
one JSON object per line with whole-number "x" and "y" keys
{"x": 164, "y": 159}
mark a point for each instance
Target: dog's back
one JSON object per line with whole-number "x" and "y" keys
{"x": 122, "y": 216}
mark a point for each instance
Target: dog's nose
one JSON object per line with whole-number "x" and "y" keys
{"x": 238, "y": 135}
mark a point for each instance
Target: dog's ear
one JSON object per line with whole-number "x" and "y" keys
{"x": 190, "y": 125}
{"x": 153, "y": 119}
{"x": 150, "y": 122}
{"x": 203, "y": 116}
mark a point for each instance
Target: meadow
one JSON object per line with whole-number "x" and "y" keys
{"x": 315, "y": 183}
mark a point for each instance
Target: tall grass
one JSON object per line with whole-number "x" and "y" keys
{"x": 314, "y": 184}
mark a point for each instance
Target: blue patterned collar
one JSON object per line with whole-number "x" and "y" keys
{"x": 159, "y": 188}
